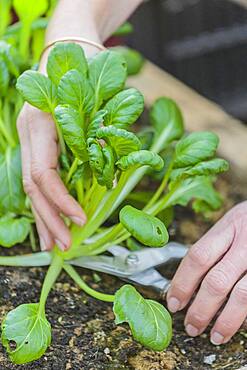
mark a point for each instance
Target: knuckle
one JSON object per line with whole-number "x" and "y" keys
{"x": 37, "y": 173}
{"x": 240, "y": 293}
{"x": 200, "y": 255}
{"x": 217, "y": 282}
{"x": 198, "y": 319}
{"x": 179, "y": 290}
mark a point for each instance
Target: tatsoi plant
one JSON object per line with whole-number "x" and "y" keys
{"x": 102, "y": 162}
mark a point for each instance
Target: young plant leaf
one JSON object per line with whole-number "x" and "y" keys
{"x": 196, "y": 147}
{"x": 64, "y": 57}
{"x": 149, "y": 321}
{"x": 74, "y": 89}
{"x": 12, "y": 197}
{"x": 13, "y": 230}
{"x": 124, "y": 108}
{"x": 147, "y": 229}
{"x": 141, "y": 158}
{"x": 107, "y": 176}
{"x": 198, "y": 187}
{"x": 211, "y": 167}
{"x": 27, "y": 11}
{"x": 122, "y": 141}
{"x": 96, "y": 123}
{"x": 37, "y": 90}
{"x": 167, "y": 121}
{"x": 71, "y": 123}
{"x": 29, "y": 330}
{"x": 107, "y": 72}
{"x": 96, "y": 158}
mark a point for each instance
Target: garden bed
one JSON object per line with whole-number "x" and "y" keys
{"x": 84, "y": 334}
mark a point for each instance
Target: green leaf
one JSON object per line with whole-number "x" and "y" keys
{"x": 10, "y": 56}
{"x": 149, "y": 321}
{"x": 96, "y": 123}
{"x": 198, "y": 187}
{"x": 37, "y": 90}
{"x": 29, "y": 330}
{"x": 124, "y": 108}
{"x": 211, "y": 167}
{"x": 107, "y": 72}
{"x": 123, "y": 30}
{"x": 196, "y": 147}
{"x": 13, "y": 230}
{"x": 107, "y": 176}
{"x": 71, "y": 123}
{"x": 141, "y": 158}
{"x": 147, "y": 229}
{"x": 96, "y": 158}
{"x": 28, "y": 11}
{"x": 63, "y": 58}
{"x": 4, "y": 78}
{"x": 133, "y": 58}
{"x": 167, "y": 121}
{"x": 122, "y": 141}
{"x": 74, "y": 89}
{"x": 12, "y": 197}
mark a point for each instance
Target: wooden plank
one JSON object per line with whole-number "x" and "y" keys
{"x": 199, "y": 113}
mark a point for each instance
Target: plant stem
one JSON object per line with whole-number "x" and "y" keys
{"x": 72, "y": 170}
{"x": 93, "y": 293}
{"x": 80, "y": 191}
{"x": 50, "y": 278}
{"x": 28, "y": 260}
{"x": 25, "y": 35}
{"x": 161, "y": 188}
{"x": 59, "y": 134}
{"x": 32, "y": 239}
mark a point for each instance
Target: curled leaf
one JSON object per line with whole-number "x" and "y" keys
{"x": 124, "y": 108}
{"x": 147, "y": 229}
{"x": 211, "y": 167}
{"x": 96, "y": 158}
{"x": 141, "y": 158}
{"x": 149, "y": 321}
{"x": 122, "y": 141}
{"x": 64, "y": 57}
{"x": 107, "y": 176}
{"x": 196, "y": 147}
{"x": 29, "y": 330}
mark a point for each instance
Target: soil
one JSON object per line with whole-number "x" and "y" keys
{"x": 84, "y": 334}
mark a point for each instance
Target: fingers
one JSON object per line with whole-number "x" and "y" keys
{"x": 45, "y": 236}
{"x": 215, "y": 288}
{"x": 233, "y": 315}
{"x": 50, "y": 226}
{"x": 43, "y": 167}
{"x": 200, "y": 258}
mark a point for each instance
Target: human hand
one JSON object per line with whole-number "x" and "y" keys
{"x": 217, "y": 265}
{"x": 48, "y": 195}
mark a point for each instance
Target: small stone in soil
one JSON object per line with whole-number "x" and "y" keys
{"x": 209, "y": 360}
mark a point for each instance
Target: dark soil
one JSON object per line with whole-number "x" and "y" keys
{"x": 84, "y": 334}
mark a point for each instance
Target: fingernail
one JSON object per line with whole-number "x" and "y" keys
{"x": 42, "y": 244}
{"x": 217, "y": 338}
{"x": 192, "y": 330}
{"x": 78, "y": 221}
{"x": 60, "y": 245}
{"x": 173, "y": 304}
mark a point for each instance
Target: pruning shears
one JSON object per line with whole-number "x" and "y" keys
{"x": 138, "y": 267}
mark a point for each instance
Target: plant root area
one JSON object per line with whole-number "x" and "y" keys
{"x": 84, "y": 336}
